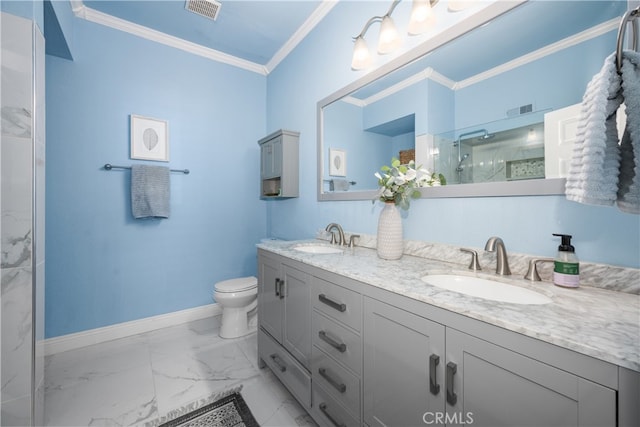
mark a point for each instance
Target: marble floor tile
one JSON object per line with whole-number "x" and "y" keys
{"x": 137, "y": 379}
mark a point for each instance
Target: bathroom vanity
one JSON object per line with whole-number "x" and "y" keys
{"x": 363, "y": 341}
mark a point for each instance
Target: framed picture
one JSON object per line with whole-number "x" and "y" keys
{"x": 149, "y": 139}
{"x": 337, "y": 162}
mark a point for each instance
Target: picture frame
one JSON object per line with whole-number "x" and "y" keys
{"x": 337, "y": 162}
{"x": 149, "y": 139}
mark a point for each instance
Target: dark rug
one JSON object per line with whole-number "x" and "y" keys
{"x": 230, "y": 411}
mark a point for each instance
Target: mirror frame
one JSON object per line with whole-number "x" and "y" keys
{"x": 533, "y": 187}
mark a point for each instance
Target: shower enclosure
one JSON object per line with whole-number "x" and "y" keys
{"x": 480, "y": 155}
{"x": 22, "y": 155}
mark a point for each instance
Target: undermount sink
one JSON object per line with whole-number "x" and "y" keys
{"x": 487, "y": 289}
{"x": 317, "y": 249}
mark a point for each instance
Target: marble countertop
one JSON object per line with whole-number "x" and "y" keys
{"x": 596, "y": 322}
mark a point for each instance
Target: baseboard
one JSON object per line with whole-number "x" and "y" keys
{"x": 126, "y": 329}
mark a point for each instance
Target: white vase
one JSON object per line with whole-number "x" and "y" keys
{"x": 390, "y": 244}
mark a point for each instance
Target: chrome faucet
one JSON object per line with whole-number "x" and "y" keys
{"x": 340, "y": 233}
{"x": 495, "y": 244}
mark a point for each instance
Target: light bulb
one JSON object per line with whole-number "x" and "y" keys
{"x": 361, "y": 55}
{"x": 422, "y": 17}
{"x": 389, "y": 38}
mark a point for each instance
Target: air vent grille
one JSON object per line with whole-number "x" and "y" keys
{"x": 523, "y": 109}
{"x": 207, "y": 8}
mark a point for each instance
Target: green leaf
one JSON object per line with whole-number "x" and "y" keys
{"x": 443, "y": 180}
{"x": 415, "y": 194}
{"x": 395, "y": 162}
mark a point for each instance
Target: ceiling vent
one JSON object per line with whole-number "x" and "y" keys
{"x": 207, "y": 8}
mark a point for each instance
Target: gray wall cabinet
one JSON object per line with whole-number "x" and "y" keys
{"x": 357, "y": 355}
{"x": 279, "y": 165}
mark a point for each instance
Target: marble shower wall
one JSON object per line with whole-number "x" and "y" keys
{"x": 22, "y": 156}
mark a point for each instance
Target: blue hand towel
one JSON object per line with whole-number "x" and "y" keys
{"x": 629, "y": 186}
{"x": 150, "y": 191}
{"x": 595, "y": 163}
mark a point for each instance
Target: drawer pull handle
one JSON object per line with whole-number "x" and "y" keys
{"x": 276, "y": 359}
{"x": 281, "y": 288}
{"x": 277, "y": 287}
{"x": 331, "y": 303}
{"x": 341, "y": 347}
{"x": 323, "y": 408}
{"x": 452, "y": 397}
{"x": 341, "y": 387}
{"x": 434, "y": 387}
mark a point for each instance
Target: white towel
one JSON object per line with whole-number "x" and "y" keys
{"x": 629, "y": 185}
{"x": 594, "y": 169}
{"x": 150, "y": 191}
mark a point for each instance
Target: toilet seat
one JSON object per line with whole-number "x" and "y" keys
{"x": 236, "y": 285}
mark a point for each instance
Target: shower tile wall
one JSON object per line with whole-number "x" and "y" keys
{"x": 22, "y": 147}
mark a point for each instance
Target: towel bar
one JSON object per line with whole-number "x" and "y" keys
{"x": 631, "y": 16}
{"x": 109, "y": 166}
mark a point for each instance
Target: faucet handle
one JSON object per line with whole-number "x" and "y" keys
{"x": 352, "y": 242}
{"x": 532, "y": 271}
{"x": 475, "y": 265}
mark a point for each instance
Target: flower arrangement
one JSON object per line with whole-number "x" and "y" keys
{"x": 399, "y": 183}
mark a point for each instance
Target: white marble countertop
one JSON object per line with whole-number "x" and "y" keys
{"x": 596, "y": 322}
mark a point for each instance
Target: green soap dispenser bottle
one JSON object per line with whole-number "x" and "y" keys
{"x": 566, "y": 268}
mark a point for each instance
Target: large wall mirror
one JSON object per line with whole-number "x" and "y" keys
{"x": 482, "y": 103}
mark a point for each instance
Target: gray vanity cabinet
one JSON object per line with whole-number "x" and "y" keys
{"x": 493, "y": 386}
{"x": 284, "y": 334}
{"x": 404, "y": 358}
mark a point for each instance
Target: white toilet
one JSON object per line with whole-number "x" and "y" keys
{"x": 239, "y": 301}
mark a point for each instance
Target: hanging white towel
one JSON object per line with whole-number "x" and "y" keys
{"x": 594, "y": 169}
{"x": 150, "y": 191}
{"x": 629, "y": 185}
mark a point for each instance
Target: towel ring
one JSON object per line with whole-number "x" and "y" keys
{"x": 631, "y": 16}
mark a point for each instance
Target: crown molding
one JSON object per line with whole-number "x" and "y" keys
{"x": 92, "y": 15}
{"x": 558, "y": 46}
{"x": 321, "y": 11}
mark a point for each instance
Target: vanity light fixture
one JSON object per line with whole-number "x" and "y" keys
{"x": 422, "y": 18}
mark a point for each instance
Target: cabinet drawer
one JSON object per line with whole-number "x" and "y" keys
{"x": 341, "y": 343}
{"x": 336, "y": 380}
{"x": 328, "y": 412}
{"x": 286, "y": 368}
{"x": 338, "y": 302}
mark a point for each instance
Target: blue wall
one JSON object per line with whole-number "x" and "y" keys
{"x": 601, "y": 234}
{"x": 103, "y": 266}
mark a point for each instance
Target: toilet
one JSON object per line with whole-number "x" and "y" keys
{"x": 239, "y": 301}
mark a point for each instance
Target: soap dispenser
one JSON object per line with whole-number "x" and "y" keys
{"x": 566, "y": 268}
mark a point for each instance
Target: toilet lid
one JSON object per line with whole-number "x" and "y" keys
{"x": 237, "y": 285}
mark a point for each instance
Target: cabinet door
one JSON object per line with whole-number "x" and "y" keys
{"x": 271, "y": 157}
{"x": 269, "y": 296}
{"x": 493, "y": 386}
{"x": 297, "y": 314}
{"x": 398, "y": 349}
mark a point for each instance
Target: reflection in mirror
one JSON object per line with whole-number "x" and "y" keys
{"x": 497, "y": 152}
{"x": 441, "y": 103}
